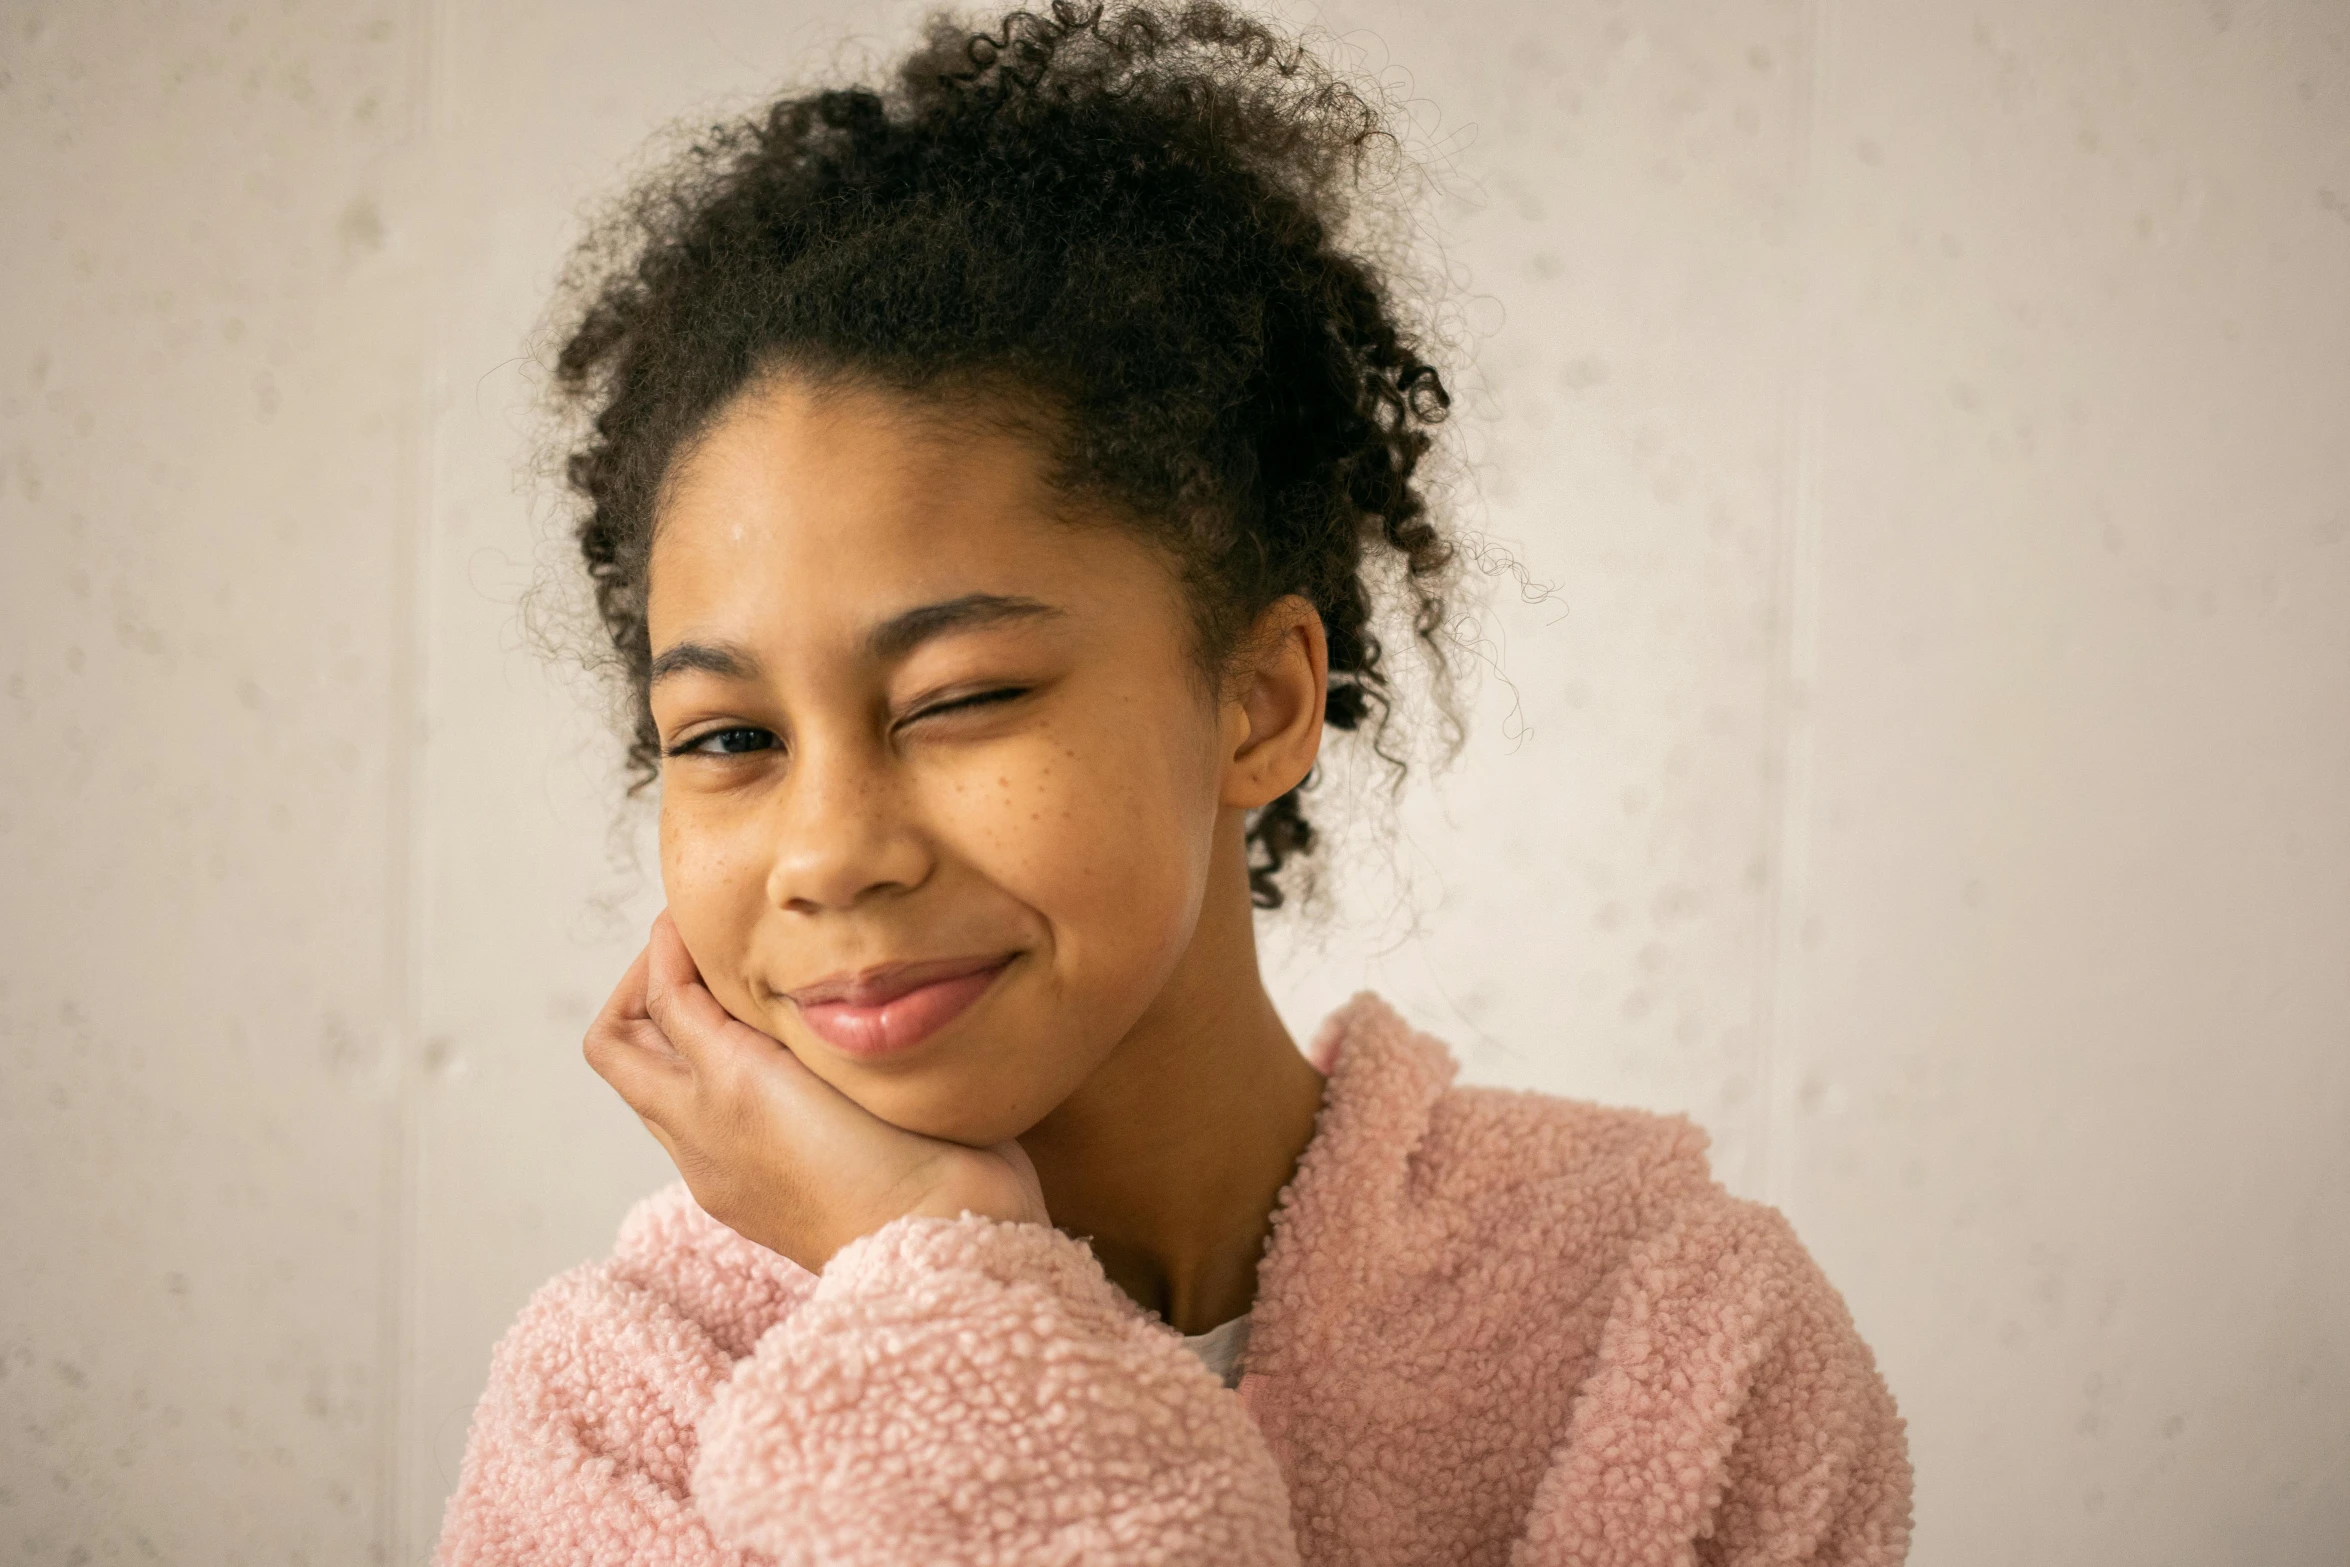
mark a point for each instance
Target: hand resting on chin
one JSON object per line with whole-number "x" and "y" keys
{"x": 767, "y": 1147}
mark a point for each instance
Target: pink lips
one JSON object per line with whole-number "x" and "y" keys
{"x": 883, "y": 1011}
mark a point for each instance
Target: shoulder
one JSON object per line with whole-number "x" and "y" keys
{"x": 1599, "y": 1206}
{"x": 1479, "y": 1169}
{"x": 1696, "y": 1330}
{"x": 1527, "y": 1171}
{"x": 1533, "y": 1200}
{"x": 1631, "y": 1193}
{"x": 1517, "y": 1155}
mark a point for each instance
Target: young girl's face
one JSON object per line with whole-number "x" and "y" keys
{"x": 941, "y": 779}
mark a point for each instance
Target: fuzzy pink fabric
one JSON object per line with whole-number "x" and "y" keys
{"x": 1491, "y": 1327}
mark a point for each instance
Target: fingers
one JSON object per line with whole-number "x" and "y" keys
{"x": 627, "y": 1001}
{"x": 629, "y": 1050}
{"x": 672, "y": 964}
{"x": 705, "y": 1045}
{"x": 650, "y": 1080}
{"x": 675, "y": 997}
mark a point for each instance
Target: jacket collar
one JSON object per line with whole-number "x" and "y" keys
{"x": 1348, "y": 1206}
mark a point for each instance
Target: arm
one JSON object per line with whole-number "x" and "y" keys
{"x": 969, "y": 1391}
{"x": 953, "y": 1391}
{"x": 1734, "y": 1417}
{"x": 583, "y": 1439}
{"x": 1819, "y": 1471}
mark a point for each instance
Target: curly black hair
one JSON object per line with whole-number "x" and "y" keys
{"x": 1130, "y": 216}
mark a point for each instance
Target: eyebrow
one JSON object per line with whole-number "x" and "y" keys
{"x": 893, "y": 639}
{"x": 899, "y": 635}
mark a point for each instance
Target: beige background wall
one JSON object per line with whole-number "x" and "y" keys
{"x": 1930, "y": 768}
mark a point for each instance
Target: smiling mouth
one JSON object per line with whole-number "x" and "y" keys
{"x": 887, "y": 1010}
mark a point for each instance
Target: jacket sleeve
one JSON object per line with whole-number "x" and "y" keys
{"x": 1818, "y": 1470}
{"x": 1734, "y": 1417}
{"x": 582, "y": 1440}
{"x": 969, "y": 1391}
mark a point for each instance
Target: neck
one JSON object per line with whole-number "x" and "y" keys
{"x": 1168, "y": 1160}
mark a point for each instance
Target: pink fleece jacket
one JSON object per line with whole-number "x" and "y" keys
{"x": 1491, "y": 1327}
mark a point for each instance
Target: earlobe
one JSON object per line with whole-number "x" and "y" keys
{"x": 1284, "y": 683}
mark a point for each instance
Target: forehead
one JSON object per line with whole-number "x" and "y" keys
{"x": 809, "y": 520}
{"x": 847, "y": 485}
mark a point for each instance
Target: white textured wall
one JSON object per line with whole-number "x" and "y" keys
{"x": 1931, "y": 770}
{"x": 210, "y": 404}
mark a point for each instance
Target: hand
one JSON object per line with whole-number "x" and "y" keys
{"x": 768, "y": 1148}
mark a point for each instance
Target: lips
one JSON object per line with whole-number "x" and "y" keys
{"x": 886, "y": 1010}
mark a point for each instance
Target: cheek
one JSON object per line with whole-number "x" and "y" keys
{"x": 1107, "y": 838}
{"x": 714, "y": 880}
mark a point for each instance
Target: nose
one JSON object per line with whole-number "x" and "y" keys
{"x": 844, "y": 833}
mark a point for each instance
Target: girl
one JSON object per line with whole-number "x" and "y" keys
{"x": 985, "y": 488}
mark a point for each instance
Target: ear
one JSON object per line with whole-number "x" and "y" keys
{"x": 1273, "y": 704}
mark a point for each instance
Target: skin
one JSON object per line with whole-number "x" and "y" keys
{"x": 915, "y": 707}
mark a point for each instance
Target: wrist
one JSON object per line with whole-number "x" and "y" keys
{"x": 1003, "y": 1202}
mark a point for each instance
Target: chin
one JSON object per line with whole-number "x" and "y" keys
{"x": 946, "y": 1111}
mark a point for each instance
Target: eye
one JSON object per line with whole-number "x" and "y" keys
{"x": 734, "y": 740}
{"x": 977, "y": 699}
